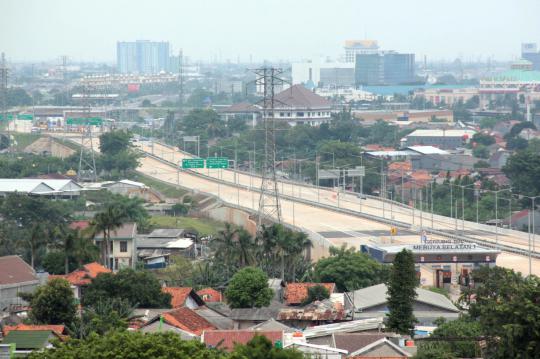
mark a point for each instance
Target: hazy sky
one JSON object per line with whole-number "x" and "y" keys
{"x": 290, "y": 29}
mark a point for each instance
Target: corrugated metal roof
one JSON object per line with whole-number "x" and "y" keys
{"x": 427, "y": 150}
{"x": 21, "y": 185}
{"x": 441, "y": 133}
{"x": 376, "y": 295}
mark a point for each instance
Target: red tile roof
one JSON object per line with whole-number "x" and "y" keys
{"x": 178, "y": 294}
{"x": 400, "y": 166}
{"x": 296, "y": 293}
{"x": 210, "y": 295}
{"x": 58, "y": 329}
{"x": 225, "y": 339}
{"x": 187, "y": 320}
{"x": 83, "y": 276}
{"x": 13, "y": 269}
{"x": 79, "y": 225}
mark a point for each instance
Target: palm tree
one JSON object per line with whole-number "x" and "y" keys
{"x": 225, "y": 247}
{"x": 298, "y": 249}
{"x": 111, "y": 218}
{"x": 245, "y": 248}
{"x": 35, "y": 238}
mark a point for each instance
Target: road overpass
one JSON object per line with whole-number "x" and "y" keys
{"x": 332, "y": 217}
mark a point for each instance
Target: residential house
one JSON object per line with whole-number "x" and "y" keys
{"x": 134, "y": 189}
{"x": 372, "y": 345}
{"x": 210, "y": 295}
{"x": 81, "y": 278}
{"x": 521, "y": 221}
{"x": 316, "y": 313}
{"x": 183, "y": 297}
{"x": 226, "y": 339}
{"x": 16, "y": 276}
{"x": 184, "y": 321}
{"x": 122, "y": 253}
{"x": 272, "y": 325}
{"x": 297, "y": 293}
{"x": 295, "y": 105}
{"x": 156, "y": 248}
{"x": 27, "y": 341}
{"x": 441, "y": 138}
{"x": 323, "y": 334}
{"x": 499, "y": 158}
{"x": 59, "y": 329}
{"x": 317, "y": 351}
{"x": 371, "y": 302}
{"x": 248, "y": 317}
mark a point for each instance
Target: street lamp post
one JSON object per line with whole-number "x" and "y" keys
{"x": 497, "y": 213}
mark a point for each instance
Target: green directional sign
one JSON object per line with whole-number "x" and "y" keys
{"x": 78, "y": 121}
{"x": 9, "y": 117}
{"x": 217, "y": 162}
{"x": 193, "y": 163}
{"x": 25, "y": 116}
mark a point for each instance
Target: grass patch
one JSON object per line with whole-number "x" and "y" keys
{"x": 24, "y": 139}
{"x": 167, "y": 190}
{"x": 442, "y": 291}
{"x": 204, "y": 226}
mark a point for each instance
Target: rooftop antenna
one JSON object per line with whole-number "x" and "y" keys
{"x": 269, "y": 204}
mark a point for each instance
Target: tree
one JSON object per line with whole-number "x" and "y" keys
{"x": 507, "y": 308}
{"x": 523, "y": 170}
{"x": 402, "y": 285}
{"x": 117, "y": 152}
{"x": 108, "y": 314}
{"x": 128, "y": 344}
{"x": 140, "y": 288}
{"x": 111, "y": 218}
{"x": 248, "y": 288}
{"x": 52, "y": 303}
{"x": 480, "y": 151}
{"x": 516, "y": 143}
{"x": 261, "y": 348}
{"x": 349, "y": 269}
{"x": 483, "y": 139}
{"x": 317, "y": 292}
{"x": 433, "y": 352}
{"x": 463, "y": 327}
{"x": 17, "y": 96}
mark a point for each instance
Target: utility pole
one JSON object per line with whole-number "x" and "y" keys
{"x": 269, "y": 204}
{"x": 3, "y": 90}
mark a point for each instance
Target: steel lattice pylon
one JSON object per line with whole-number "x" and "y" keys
{"x": 87, "y": 162}
{"x": 269, "y": 204}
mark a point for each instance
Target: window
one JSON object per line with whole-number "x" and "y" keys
{"x": 300, "y": 114}
{"x": 116, "y": 263}
{"x": 123, "y": 246}
{"x": 111, "y": 247}
{"x": 282, "y": 114}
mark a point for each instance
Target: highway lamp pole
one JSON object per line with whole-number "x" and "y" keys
{"x": 421, "y": 209}
{"x": 529, "y": 232}
{"x": 496, "y": 219}
{"x": 318, "y": 184}
{"x": 431, "y": 200}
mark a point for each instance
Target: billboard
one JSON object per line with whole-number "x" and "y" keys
{"x": 132, "y": 88}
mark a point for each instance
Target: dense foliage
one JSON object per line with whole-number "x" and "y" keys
{"x": 402, "y": 285}
{"x": 52, "y": 303}
{"x": 166, "y": 345}
{"x": 349, "y": 269}
{"x": 248, "y": 288}
{"x": 117, "y": 155}
{"x": 139, "y": 288}
{"x": 317, "y": 292}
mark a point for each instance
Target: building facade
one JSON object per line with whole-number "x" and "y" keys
{"x": 390, "y": 68}
{"x": 356, "y": 47}
{"x": 529, "y": 51}
{"x": 142, "y": 56}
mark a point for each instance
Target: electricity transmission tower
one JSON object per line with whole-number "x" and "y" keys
{"x": 267, "y": 78}
{"x": 87, "y": 162}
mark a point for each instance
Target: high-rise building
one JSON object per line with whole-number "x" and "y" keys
{"x": 142, "y": 56}
{"x": 364, "y": 47}
{"x": 529, "y": 51}
{"x": 389, "y": 68}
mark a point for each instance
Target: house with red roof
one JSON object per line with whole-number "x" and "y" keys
{"x": 184, "y": 321}
{"x": 210, "y": 295}
{"x": 226, "y": 339}
{"x": 58, "y": 329}
{"x": 81, "y": 278}
{"x": 297, "y": 293}
{"x": 183, "y": 297}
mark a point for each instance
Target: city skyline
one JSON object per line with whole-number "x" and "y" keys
{"x": 36, "y": 31}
